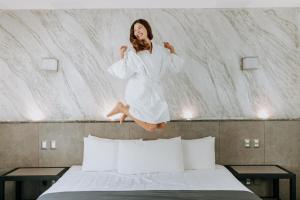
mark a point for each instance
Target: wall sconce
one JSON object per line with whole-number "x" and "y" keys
{"x": 33, "y": 113}
{"x": 187, "y": 114}
{"x": 49, "y": 64}
{"x": 250, "y": 62}
{"x": 263, "y": 114}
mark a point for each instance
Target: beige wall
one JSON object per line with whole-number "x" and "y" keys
{"x": 279, "y": 143}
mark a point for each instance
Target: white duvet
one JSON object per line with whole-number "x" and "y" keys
{"x": 77, "y": 180}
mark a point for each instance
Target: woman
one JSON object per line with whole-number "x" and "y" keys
{"x": 143, "y": 65}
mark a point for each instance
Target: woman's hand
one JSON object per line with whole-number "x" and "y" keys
{"x": 169, "y": 46}
{"x": 122, "y": 50}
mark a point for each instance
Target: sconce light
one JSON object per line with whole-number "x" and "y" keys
{"x": 49, "y": 64}
{"x": 263, "y": 114}
{"x": 187, "y": 114}
{"x": 250, "y": 62}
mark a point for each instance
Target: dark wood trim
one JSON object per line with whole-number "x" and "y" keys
{"x": 269, "y": 176}
{"x": 19, "y": 180}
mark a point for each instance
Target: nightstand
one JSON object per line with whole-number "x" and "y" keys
{"x": 29, "y": 174}
{"x": 271, "y": 172}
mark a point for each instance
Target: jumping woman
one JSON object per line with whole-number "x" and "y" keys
{"x": 143, "y": 65}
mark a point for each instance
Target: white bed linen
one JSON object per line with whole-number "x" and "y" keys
{"x": 211, "y": 179}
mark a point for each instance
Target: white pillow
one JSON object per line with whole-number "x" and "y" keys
{"x": 99, "y": 155}
{"x": 112, "y": 140}
{"x": 98, "y": 138}
{"x": 199, "y": 153}
{"x": 150, "y": 156}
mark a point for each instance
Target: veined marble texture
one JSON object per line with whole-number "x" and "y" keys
{"x": 212, "y": 42}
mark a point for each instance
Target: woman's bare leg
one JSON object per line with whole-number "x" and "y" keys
{"x": 115, "y": 110}
{"x": 147, "y": 126}
{"x": 121, "y": 108}
{"x": 123, "y": 118}
{"x": 161, "y": 125}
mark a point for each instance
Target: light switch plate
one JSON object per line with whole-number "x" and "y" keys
{"x": 53, "y": 144}
{"x": 50, "y": 64}
{"x": 247, "y": 143}
{"x": 256, "y": 143}
{"x": 44, "y": 145}
{"x": 250, "y": 62}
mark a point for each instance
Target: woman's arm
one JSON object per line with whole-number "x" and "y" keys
{"x": 171, "y": 60}
{"x": 126, "y": 66}
{"x": 170, "y": 47}
{"x": 122, "y": 51}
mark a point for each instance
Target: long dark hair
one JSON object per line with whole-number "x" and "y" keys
{"x": 137, "y": 44}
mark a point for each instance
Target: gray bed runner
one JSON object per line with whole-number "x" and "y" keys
{"x": 152, "y": 194}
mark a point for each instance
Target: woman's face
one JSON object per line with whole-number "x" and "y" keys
{"x": 140, "y": 31}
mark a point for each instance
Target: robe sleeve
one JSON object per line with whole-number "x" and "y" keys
{"x": 172, "y": 62}
{"x": 124, "y": 68}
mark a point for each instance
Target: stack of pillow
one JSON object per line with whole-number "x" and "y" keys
{"x": 139, "y": 156}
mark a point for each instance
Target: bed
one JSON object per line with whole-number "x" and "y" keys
{"x": 217, "y": 184}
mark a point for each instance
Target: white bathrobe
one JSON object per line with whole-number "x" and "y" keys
{"x": 144, "y": 71}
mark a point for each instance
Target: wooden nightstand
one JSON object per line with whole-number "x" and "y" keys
{"x": 29, "y": 174}
{"x": 271, "y": 172}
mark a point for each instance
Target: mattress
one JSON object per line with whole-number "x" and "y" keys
{"x": 77, "y": 180}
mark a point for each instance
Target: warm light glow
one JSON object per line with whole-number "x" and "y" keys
{"x": 263, "y": 114}
{"x": 34, "y": 114}
{"x": 187, "y": 114}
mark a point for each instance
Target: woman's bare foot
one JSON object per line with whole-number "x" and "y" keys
{"x": 161, "y": 125}
{"x": 117, "y": 109}
{"x": 123, "y": 118}
{"x": 125, "y": 111}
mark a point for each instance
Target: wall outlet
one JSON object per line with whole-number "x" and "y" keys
{"x": 248, "y": 181}
{"x": 255, "y": 143}
{"x": 250, "y": 62}
{"x": 247, "y": 143}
